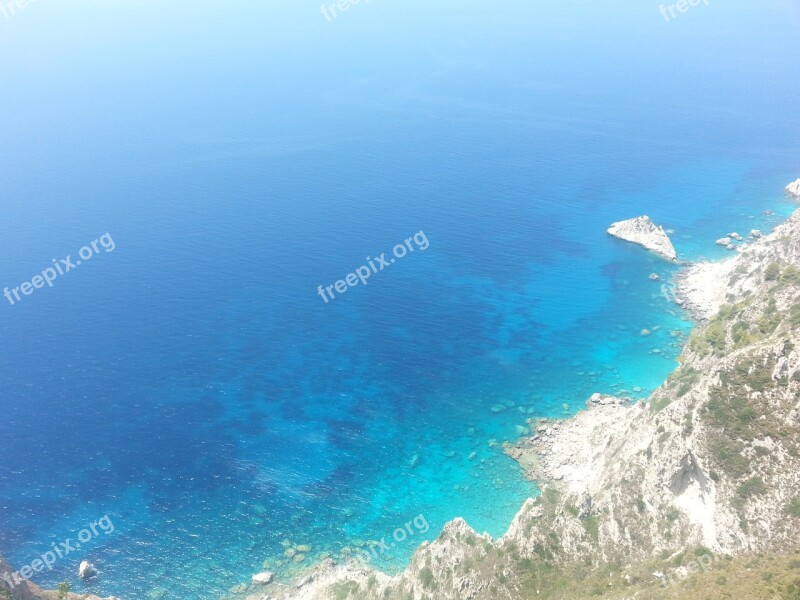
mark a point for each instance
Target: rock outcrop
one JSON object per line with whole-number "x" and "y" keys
{"x": 263, "y": 578}
{"x": 13, "y": 587}
{"x": 86, "y": 570}
{"x": 793, "y": 189}
{"x": 642, "y": 231}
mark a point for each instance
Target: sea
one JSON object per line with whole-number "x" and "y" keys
{"x": 201, "y": 386}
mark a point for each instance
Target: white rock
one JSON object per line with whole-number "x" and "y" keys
{"x": 263, "y": 578}
{"x": 726, "y": 241}
{"x": 793, "y": 189}
{"x": 735, "y": 236}
{"x": 86, "y": 570}
{"x": 756, "y": 233}
{"x": 642, "y": 231}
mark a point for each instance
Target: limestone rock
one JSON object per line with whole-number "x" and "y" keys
{"x": 263, "y": 578}
{"x": 793, "y": 189}
{"x": 86, "y": 570}
{"x": 642, "y": 231}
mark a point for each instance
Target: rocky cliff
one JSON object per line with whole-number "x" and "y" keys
{"x": 793, "y": 189}
{"x": 635, "y": 495}
{"x": 22, "y": 589}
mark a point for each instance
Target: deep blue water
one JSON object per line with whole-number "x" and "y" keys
{"x": 194, "y": 387}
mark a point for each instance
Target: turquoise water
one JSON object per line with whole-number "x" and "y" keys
{"x": 193, "y": 386}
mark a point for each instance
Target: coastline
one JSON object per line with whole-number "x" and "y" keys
{"x": 569, "y": 455}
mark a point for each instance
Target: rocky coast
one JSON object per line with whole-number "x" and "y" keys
{"x": 636, "y": 494}
{"x": 708, "y": 466}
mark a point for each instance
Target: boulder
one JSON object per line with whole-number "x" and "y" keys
{"x": 726, "y": 241}
{"x": 86, "y": 570}
{"x": 263, "y": 578}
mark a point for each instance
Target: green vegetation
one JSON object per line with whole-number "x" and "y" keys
{"x": 790, "y": 275}
{"x": 717, "y": 578}
{"x": 346, "y": 589}
{"x": 771, "y": 319}
{"x": 735, "y": 416}
{"x": 713, "y": 337}
{"x": 64, "y": 589}
{"x": 785, "y": 276}
{"x": 752, "y": 487}
{"x": 427, "y": 579}
{"x": 592, "y": 526}
{"x": 772, "y": 272}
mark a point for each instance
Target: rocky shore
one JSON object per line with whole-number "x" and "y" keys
{"x": 711, "y": 462}
{"x": 27, "y": 590}
{"x": 707, "y": 466}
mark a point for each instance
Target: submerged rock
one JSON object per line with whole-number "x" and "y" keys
{"x": 642, "y": 231}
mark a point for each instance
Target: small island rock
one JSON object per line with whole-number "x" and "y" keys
{"x": 793, "y": 189}
{"x": 642, "y": 231}
{"x": 86, "y": 570}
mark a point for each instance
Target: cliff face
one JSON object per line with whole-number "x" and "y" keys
{"x": 23, "y": 591}
{"x": 710, "y": 464}
{"x": 27, "y": 590}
